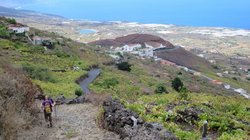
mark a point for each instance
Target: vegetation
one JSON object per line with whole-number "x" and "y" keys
{"x": 44, "y": 66}
{"x": 16, "y": 99}
{"x": 125, "y": 66}
{"x": 184, "y": 94}
{"x": 177, "y": 84}
{"x": 140, "y": 89}
{"x": 38, "y": 73}
{"x": 110, "y": 82}
{"x": 224, "y": 122}
{"x": 78, "y": 92}
{"x": 4, "y": 31}
{"x": 11, "y": 20}
{"x": 161, "y": 89}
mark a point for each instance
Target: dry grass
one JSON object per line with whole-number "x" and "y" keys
{"x": 96, "y": 99}
{"x": 16, "y": 101}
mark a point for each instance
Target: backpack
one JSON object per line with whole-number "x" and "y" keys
{"x": 47, "y": 107}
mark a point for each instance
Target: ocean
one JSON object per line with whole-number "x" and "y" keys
{"x": 212, "y": 13}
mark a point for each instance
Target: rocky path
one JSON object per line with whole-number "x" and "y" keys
{"x": 74, "y": 122}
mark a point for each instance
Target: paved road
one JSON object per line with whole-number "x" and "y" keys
{"x": 246, "y": 95}
{"x": 92, "y": 75}
{"x": 164, "y": 49}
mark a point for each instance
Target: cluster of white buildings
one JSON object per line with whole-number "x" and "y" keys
{"x": 18, "y": 28}
{"x": 143, "y": 51}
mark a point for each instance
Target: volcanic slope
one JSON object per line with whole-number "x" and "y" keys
{"x": 172, "y": 53}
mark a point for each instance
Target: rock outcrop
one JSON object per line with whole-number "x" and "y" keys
{"x": 189, "y": 115}
{"x": 62, "y": 100}
{"x": 129, "y": 126}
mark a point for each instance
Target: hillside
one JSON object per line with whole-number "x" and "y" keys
{"x": 53, "y": 70}
{"x": 183, "y": 57}
{"x": 132, "y": 39}
{"x": 171, "y": 53}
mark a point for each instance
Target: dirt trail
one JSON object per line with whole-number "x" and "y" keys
{"x": 75, "y": 122}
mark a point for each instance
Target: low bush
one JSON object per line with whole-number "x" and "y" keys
{"x": 177, "y": 84}
{"x": 38, "y": 73}
{"x": 161, "y": 89}
{"x": 61, "y": 54}
{"x": 11, "y": 20}
{"x": 4, "y": 32}
{"x": 111, "y": 82}
{"x": 183, "y": 94}
{"x": 125, "y": 66}
{"x": 37, "y": 49}
{"x": 17, "y": 110}
{"x": 248, "y": 78}
{"x": 78, "y": 92}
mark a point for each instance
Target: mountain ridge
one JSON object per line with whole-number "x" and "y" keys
{"x": 5, "y": 11}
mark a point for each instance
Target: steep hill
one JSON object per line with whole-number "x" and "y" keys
{"x": 133, "y": 39}
{"x": 180, "y": 56}
{"x": 171, "y": 53}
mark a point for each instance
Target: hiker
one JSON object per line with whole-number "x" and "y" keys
{"x": 47, "y": 108}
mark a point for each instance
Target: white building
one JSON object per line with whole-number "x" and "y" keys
{"x": 146, "y": 53}
{"x": 240, "y": 90}
{"x": 131, "y": 47}
{"x": 212, "y": 61}
{"x": 201, "y": 55}
{"x": 227, "y": 86}
{"x": 116, "y": 57}
{"x": 19, "y": 29}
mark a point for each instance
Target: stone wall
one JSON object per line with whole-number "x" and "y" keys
{"x": 129, "y": 126}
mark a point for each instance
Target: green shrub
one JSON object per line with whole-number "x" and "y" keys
{"x": 4, "y": 32}
{"x": 183, "y": 94}
{"x": 177, "y": 84}
{"x": 111, "y": 82}
{"x": 185, "y": 135}
{"x": 161, "y": 89}
{"x": 38, "y": 73}
{"x": 61, "y": 54}
{"x": 248, "y": 78}
{"x": 125, "y": 66}
{"x": 234, "y": 135}
{"x": 78, "y": 92}
{"x": 234, "y": 78}
{"x": 215, "y": 67}
{"x": 37, "y": 49}
{"x": 11, "y": 20}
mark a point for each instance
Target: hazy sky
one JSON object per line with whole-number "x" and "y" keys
{"x": 230, "y": 13}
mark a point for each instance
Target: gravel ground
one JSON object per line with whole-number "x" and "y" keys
{"x": 74, "y": 122}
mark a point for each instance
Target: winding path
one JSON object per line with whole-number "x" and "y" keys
{"x": 92, "y": 75}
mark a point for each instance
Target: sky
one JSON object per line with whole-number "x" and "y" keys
{"x": 219, "y": 13}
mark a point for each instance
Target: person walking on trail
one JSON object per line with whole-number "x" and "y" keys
{"x": 47, "y": 108}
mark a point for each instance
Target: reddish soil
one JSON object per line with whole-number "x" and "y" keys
{"x": 133, "y": 39}
{"x": 185, "y": 58}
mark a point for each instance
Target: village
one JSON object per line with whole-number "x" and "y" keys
{"x": 147, "y": 52}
